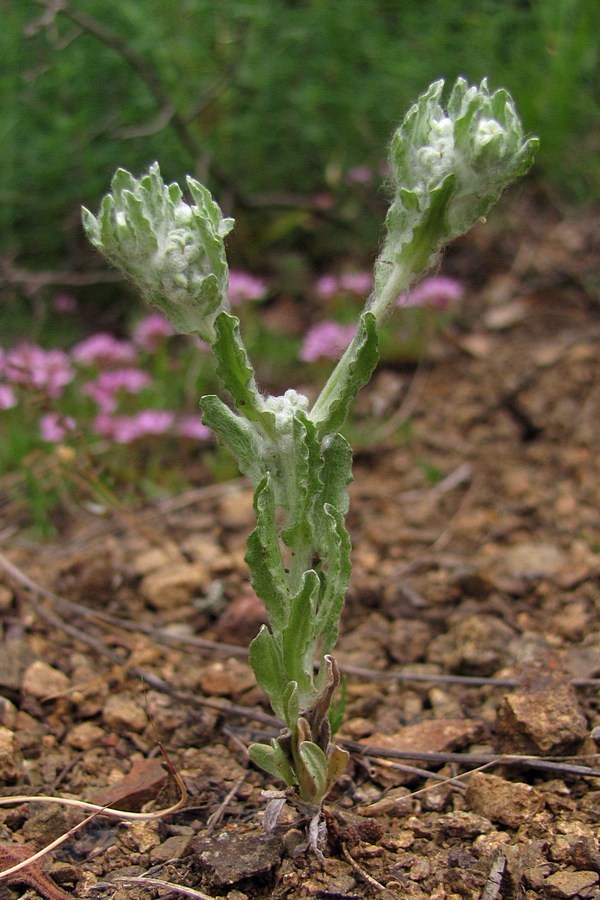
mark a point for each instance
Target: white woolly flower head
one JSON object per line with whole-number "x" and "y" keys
{"x": 172, "y": 250}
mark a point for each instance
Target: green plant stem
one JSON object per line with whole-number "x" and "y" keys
{"x": 398, "y": 281}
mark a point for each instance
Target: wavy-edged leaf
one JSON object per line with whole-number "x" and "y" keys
{"x": 337, "y": 544}
{"x": 336, "y": 473}
{"x": 234, "y": 367}
{"x": 235, "y": 434}
{"x": 299, "y": 637}
{"x": 352, "y": 372}
{"x": 268, "y": 667}
{"x": 267, "y": 571}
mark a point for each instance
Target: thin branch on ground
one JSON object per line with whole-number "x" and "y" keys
{"x": 362, "y": 873}
{"x": 215, "y": 818}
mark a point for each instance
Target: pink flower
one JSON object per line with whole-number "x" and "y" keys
{"x": 34, "y": 367}
{"x": 346, "y": 283}
{"x": 438, "y": 291}
{"x": 356, "y": 282}
{"x": 7, "y": 397}
{"x": 327, "y": 286}
{"x": 64, "y": 303}
{"x": 103, "y": 349}
{"x": 150, "y": 332}
{"x": 359, "y": 175}
{"x": 243, "y": 286}
{"x": 54, "y": 427}
{"x": 126, "y": 429}
{"x": 193, "y": 427}
{"x": 105, "y": 388}
{"x": 328, "y": 339}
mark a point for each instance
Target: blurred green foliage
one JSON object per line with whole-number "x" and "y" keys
{"x": 263, "y": 97}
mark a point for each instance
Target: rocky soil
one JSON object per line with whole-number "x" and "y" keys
{"x": 471, "y": 637}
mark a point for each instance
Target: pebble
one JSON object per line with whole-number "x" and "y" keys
{"x": 174, "y": 584}
{"x": 541, "y": 717}
{"x": 84, "y": 736}
{"x": 570, "y": 884}
{"x": 41, "y": 680}
{"x": 506, "y": 802}
{"x": 226, "y": 678}
{"x": 121, "y": 713}
{"x": 10, "y": 759}
{"x": 14, "y": 659}
{"x": 174, "y": 847}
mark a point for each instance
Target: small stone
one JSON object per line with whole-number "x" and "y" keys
{"x": 15, "y": 657}
{"x": 541, "y": 717}
{"x": 84, "y": 736}
{"x": 6, "y": 598}
{"x": 175, "y": 847}
{"x": 226, "y": 678}
{"x": 8, "y": 713}
{"x": 141, "y": 836}
{"x": 174, "y": 584}
{"x": 464, "y": 824}
{"x": 569, "y": 884}
{"x": 121, "y": 713}
{"x": 435, "y": 735}
{"x": 41, "y": 680}
{"x": 230, "y": 857}
{"x": 151, "y": 559}
{"x": 507, "y": 802}
{"x": 236, "y": 510}
{"x": 10, "y": 758}
{"x": 241, "y": 620}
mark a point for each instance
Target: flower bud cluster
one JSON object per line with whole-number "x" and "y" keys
{"x": 173, "y": 251}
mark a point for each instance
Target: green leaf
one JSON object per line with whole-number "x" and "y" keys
{"x": 300, "y": 464}
{"x": 312, "y": 774}
{"x": 299, "y": 637}
{"x": 267, "y": 664}
{"x": 273, "y": 760}
{"x": 337, "y": 552}
{"x": 352, "y": 372}
{"x": 234, "y": 433}
{"x": 234, "y": 367}
{"x": 336, "y": 473}
{"x": 263, "y": 556}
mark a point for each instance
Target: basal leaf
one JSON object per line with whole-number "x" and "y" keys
{"x": 267, "y": 664}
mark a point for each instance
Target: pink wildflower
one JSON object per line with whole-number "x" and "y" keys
{"x": 439, "y": 291}
{"x": 107, "y": 385}
{"x": 34, "y": 367}
{"x": 64, "y": 303}
{"x": 328, "y": 339}
{"x": 54, "y": 427}
{"x": 243, "y": 286}
{"x": 359, "y": 175}
{"x": 126, "y": 429}
{"x": 193, "y": 427}
{"x": 150, "y": 332}
{"x": 7, "y": 397}
{"x": 327, "y": 286}
{"x": 356, "y": 282}
{"x": 103, "y": 349}
{"x": 346, "y": 283}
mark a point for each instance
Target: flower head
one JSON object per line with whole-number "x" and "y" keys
{"x": 243, "y": 286}
{"x": 54, "y": 427}
{"x": 103, "y": 349}
{"x": 173, "y": 251}
{"x": 8, "y": 397}
{"x": 438, "y": 291}
{"x": 150, "y": 332}
{"x": 326, "y": 340}
{"x": 32, "y": 366}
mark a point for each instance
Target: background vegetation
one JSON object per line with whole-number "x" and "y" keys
{"x": 272, "y": 102}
